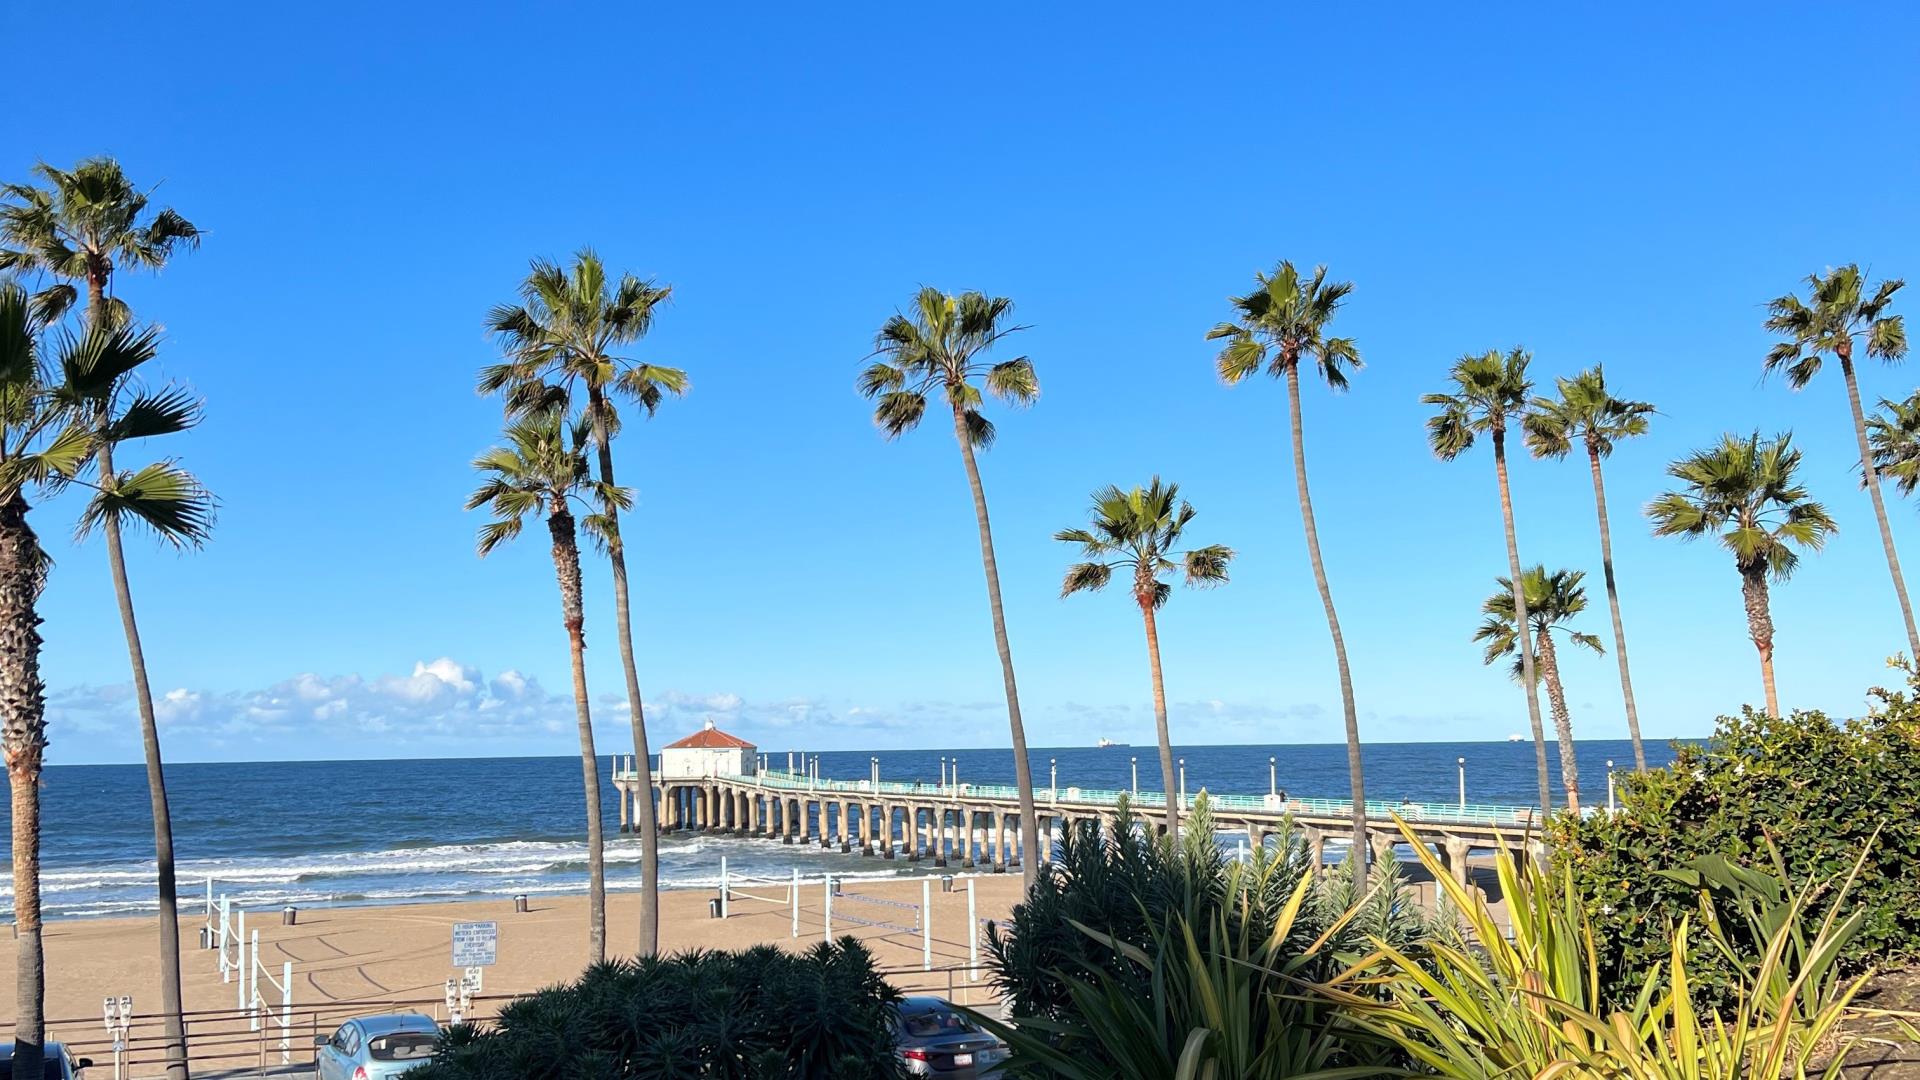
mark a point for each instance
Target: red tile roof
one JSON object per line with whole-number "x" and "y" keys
{"x": 711, "y": 738}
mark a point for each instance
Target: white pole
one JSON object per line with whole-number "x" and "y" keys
{"x": 209, "y": 901}
{"x": 1463, "y": 785}
{"x": 1609, "y": 787}
{"x": 926, "y": 924}
{"x": 826, "y": 907}
{"x": 286, "y": 1012}
{"x": 794, "y": 891}
{"x": 723, "y": 887}
{"x": 973, "y": 938}
{"x": 252, "y": 982}
{"x": 240, "y": 960}
{"x": 220, "y": 942}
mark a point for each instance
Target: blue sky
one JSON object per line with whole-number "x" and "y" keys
{"x": 1625, "y": 185}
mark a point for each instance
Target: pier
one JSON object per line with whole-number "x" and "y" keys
{"x": 978, "y": 825}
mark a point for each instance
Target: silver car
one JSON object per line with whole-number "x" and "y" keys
{"x": 376, "y": 1047}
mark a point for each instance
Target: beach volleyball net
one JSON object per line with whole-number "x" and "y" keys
{"x": 853, "y": 908}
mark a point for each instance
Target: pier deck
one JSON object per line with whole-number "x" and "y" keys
{"x": 979, "y": 824}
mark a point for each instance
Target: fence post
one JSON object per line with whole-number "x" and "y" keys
{"x": 209, "y": 911}
{"x": 826, "y": 933}
{"x": 252, "y": 979}
{"x": 220, "y": 940}
{"x": 794, "y": 892}
{"x": 286, "y": 1012}
{"x": 973, "y": 937}
{"x": 240, "y": 958}
{"x": 926, "y": 924}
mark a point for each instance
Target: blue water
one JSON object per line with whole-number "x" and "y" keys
{"x": 315, "y": 833}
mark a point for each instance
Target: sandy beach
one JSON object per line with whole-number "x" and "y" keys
{"x": 348, "y": 960}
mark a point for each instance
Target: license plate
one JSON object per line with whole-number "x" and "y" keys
{"x": 962, "y": 1060}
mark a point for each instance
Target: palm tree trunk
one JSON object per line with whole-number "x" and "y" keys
{"x": 1527, "y": 674}
{"x": 170, "y": 1004}
{"x": 644, "y": 822}
{"x": 1879, "y": 505}
{"x": 1356, "y": 778}
{"x": 566, "y": 567}
{"x": 1753, "y": 590}
{"x": 1022, "y": 769}
{"x": 23, "y": 733}
{"x": 1613, "y": 605}
{"x": 1160, "y": 721}
{"x": 1562, "y": 721}
{"x": 175, "y": 1030}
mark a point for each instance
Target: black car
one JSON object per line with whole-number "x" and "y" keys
{"x": 935, "y": 1040}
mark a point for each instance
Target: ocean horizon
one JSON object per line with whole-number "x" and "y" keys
{"x": 386, "y": 831}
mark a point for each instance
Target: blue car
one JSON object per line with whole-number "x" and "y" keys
{"x": 376, "y": 1047}
{"x": 60, "y": 1065}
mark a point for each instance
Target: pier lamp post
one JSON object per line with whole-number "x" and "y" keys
{"x": 1463, "y": 785}
{"x": 956, "y": 775}
{"x": 789, "y": 763}
{"x": 1053, "y": 779}
{"x": 873, "y": 769}
{"x": 943, "y": 774}
{"x": 1183, "y": 783}
{"x": 1273, "y": 777}
{"x": 1609, "y": 787}
{"x": 1136, "y": 777}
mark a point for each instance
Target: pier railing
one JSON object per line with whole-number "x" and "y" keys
{"x": 1451, "y": 813}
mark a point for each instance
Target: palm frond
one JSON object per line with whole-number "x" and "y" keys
{"x": 163, "y": 497}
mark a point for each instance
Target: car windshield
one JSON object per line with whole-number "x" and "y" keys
{"x": 937, "y": 1022}
{"x": 402, "y": 1046}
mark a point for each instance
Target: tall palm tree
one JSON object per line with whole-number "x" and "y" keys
{"x": 1489, "y": 393}
{"x": 86, "y": 223}
{"x": 82, "y": 227}
{"x": 1744, "y": 491}
{"x": 543, "y": 469}
{"x": 1893, "y": 434}
{"x": 563, "y": 335}
{"x": 1838, "y": 310}
{"x": 44, "y": 446}
{"x": 1138, "y": 531}
{"x": 1275, "y": 326}
{"x": 1585, "y": 412}
{"x": 941, "y": 348}
{"x": 1553, "y": 600}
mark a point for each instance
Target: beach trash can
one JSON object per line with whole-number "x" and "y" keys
{"x": 520, "y": 903}
{"x": 206, "y": 938}
{"x": 713, "y": 908}
{"x": 289, "y": 915}
{"x": 946, "y": 884}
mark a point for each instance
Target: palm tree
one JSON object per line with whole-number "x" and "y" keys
{"x": 543, "y": 468}
{"x": 565, "y": 333}
{"x": 1489, "y": 393}
{"x": 44, "y": 445}
{"x": 1553, "y": 600}
{"x": 1744, "y": 491}
{"x": 1275, "y": 326}
{"x": 81, "y": 227}
{"x": 1840, "y": 310}
{"x": 1894, "y": 436}
{"x": 1139, "y": 531}
{"x": 1586, "y": 412}
{"x": 941, "y": 349}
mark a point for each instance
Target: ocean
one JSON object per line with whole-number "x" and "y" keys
{"x": 347, "y": 832}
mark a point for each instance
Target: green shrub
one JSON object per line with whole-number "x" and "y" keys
{"x": 1817, "y": 790}
{"x": 1136, "y": 957}
{"x": 753, "y": 1015}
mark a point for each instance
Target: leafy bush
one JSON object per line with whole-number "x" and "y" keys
{"x": 1817, "y": 790}
{"x": 753, "y": 1015}
{"x": 1135, "y": 957}
{"x": 1531, "y": 1006}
